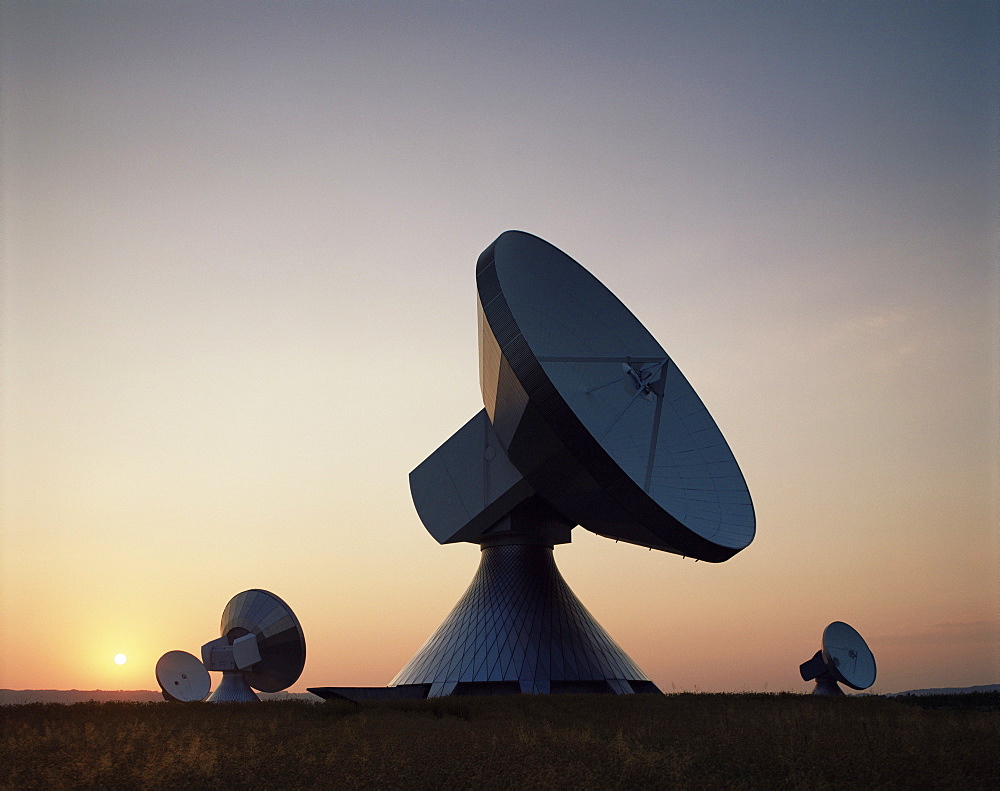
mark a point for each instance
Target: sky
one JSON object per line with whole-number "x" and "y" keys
{"x": 238, "y": 306}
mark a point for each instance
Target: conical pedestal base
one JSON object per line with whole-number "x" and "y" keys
{"x": 519, "y": 628}
{"x": 827, "y": 685}
{"x": 233, "y": 689}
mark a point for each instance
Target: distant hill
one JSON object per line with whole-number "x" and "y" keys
{"x": 8, "y": 696}
{"x": 951, "y": 690}
{"x": 15, "y": 696}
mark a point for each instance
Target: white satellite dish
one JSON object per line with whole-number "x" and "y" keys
{"x": 182, "y": 677}
{"x": 845, "y": 658}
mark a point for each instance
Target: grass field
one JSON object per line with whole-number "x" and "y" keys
{"x": 640, "y": 741}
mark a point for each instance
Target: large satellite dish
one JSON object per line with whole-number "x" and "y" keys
{"x": 845, "y": 658}
{"x": 182, "y": 677}
{"x": 261, "y": 647}
{"x": 588, "y": 422}
{"x": 595, "y": 415}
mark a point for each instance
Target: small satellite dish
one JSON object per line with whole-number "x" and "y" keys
{"x": 182, "y": 677}
{"x": 845, "y": 658}
{"x": 261, "y": 647}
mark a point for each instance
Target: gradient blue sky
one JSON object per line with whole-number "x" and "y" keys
{"x": 238, "y": 306}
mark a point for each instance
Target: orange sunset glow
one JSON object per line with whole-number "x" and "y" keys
{"x": 238, "y": 306}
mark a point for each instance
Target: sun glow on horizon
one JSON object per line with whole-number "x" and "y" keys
{"x": 181, "y": 353}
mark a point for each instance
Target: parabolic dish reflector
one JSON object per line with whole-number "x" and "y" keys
{"x": 593, "y": 412}
{"x": 182, "y": 677}
{"x": 280, "y": 639}
{"x": 847, "y": 656}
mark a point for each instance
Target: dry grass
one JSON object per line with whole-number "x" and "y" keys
{"x": 642, "y": 741}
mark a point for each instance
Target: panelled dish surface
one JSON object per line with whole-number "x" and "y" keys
{"x": 280, "y": 640}
{"x": 847, "y": 656}
{"x": 182, "y": 677}
{"x": 595, "y": 414}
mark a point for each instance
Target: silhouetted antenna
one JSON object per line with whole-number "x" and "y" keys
{"x": 587, "y": 422}
{"x": 641, "y": 462}
{"x": 844, "y": 658}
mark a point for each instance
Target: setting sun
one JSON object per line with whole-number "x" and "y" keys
{"x": 120, "y": 659}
